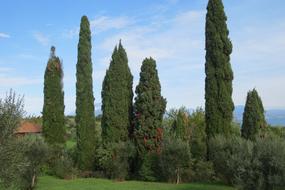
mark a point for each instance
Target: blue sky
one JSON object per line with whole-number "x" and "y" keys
{"x": 171, "y": 31}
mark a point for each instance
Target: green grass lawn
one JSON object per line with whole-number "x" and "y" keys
{"x": 51, "y": 183}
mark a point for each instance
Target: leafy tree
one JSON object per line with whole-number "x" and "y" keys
{"x": 219, "y": 75}
{"x": 149, "y": 109}
{"x": 174, "y": 159}
{"x": 11, "y": 113}
{"x": 117, "y": 98}
{"x": 20, "y": 158}
{"x": 198, "y": 135}
{"x": 53, "y": 109}
{"x": 180, "y": 125}
{"x": 253, "y": 116}
{"x": 85, "y": 116}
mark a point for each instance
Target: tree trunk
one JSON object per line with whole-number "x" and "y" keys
{"x": 177, "y": 176}
{"x": 33, "y": 179}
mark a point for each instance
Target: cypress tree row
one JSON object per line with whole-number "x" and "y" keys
{"x": 253, "y": 116}
{"x": 219, "y": 75}
{"x": 117, "y": 98}
{"x": 149, "y": 109}
{"x": 53, "y": 109}
{"x": 85, "y": 116}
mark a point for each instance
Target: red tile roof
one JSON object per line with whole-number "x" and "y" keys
{"x": 28, "y": 127}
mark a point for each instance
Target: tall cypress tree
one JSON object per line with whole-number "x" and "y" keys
{"x": 53, "y": 109}
{"x": 85, "y": 116}
{"x": 117, "y": 98}
{"x": 219, "y": 75}
{"x": 149, "y": 109}
{"x": 253, "y": 116}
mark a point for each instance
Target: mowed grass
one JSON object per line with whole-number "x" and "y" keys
{"x": 51, "y": 183}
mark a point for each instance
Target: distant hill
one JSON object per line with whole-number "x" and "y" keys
{"x": 273, "y": 116}
{"x": 97, "y": 110}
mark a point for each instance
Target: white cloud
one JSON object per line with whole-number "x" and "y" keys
{"x": 257, "y": 61}
{"x": 177, "y": 46}
{"x": 71, "y": 33}
{"x": 42, "y": 38}
{"x": 4, "y": 35}
{"x": 18, "y": 81}
{"x": 5, "y": 69}
{"x": 104, "y": 23}
{"x": 101, "y": 24}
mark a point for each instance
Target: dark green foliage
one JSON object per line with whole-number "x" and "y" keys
{"x": 114, "y": 158}
{"x": 200, "y": 171}
{"x": 249, "y": 165}
{"x": 53, "y": 109}
{"x": 149, "y": 109}
{"x": 85, "y": 116}
{"x": 219, "y": 75}
{"x": 117, "y": 98}
{"x": 149, "y": 167}
{"x": 63, "y": 168}
{"x": 253, "y": 116}
{"x": 175, "y": 158}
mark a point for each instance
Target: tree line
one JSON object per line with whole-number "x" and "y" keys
{"x": 141, "y": 121}
{"x": 140, "y": 140}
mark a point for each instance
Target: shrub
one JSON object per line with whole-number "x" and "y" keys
{"x": 249, "y": 165}
{"x": 200, "y": 171}
{"x": 63, "y": 168}
{"x": 232, "y": 157}
{"x": 113, "y": 159}
{"x": 149, "y": 168}
{"x": 270, "y": 153}
{"x": 60, "y": 163}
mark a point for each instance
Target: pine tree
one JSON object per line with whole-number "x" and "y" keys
{"x": 149, "y": 109}
{"x": 219, "y": 75}
{"x": 53, "y": 109}
{"x": 253, "y": 116}
{"x": 85, "y": 116}
{"x": 117, "y": 98}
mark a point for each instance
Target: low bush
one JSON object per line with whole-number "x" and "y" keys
{"x": 249, "y": 165}
{"x": 200, "y": 171}
{"x": 60, "y": 163}
{"x": 149, "y": 168}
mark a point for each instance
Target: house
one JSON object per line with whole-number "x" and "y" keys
{"x": 28, "y": 128}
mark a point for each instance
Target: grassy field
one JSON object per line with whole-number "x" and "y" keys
{"x": 51, "y": 183}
